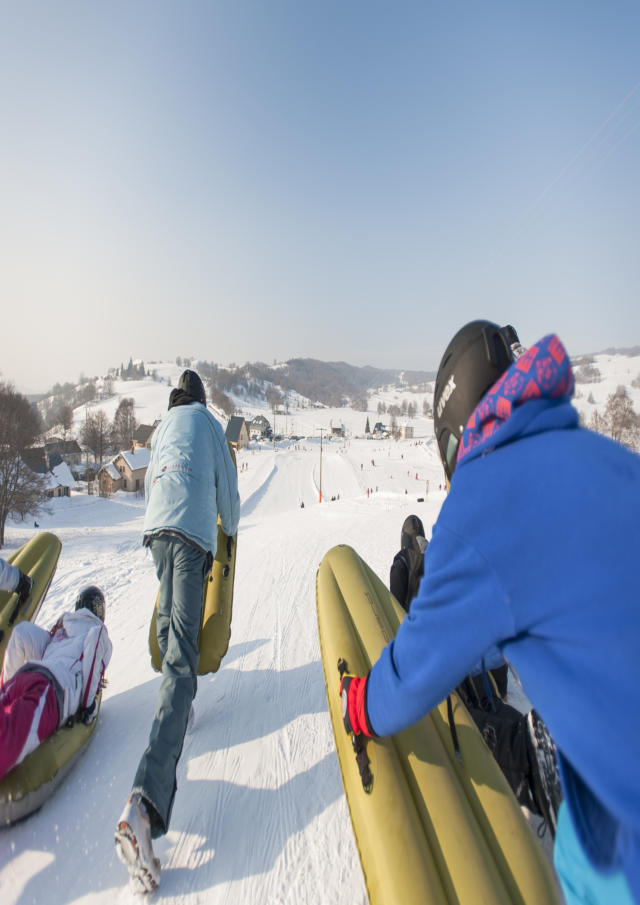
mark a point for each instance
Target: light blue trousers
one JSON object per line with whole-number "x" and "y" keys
{"x": 581, "y": 883}
{"x": 181, "y": 571}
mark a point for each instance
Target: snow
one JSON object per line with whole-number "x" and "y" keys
{"x": 63, "y": 476}
{"x": 137, "y": 458}
{"x": 260, "y": 813}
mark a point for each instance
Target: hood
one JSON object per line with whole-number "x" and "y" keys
{"x": 190, "y": 389}
{"x": 540, "y": 380}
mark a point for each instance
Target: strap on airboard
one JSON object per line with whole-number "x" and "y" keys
{"x": 359, "y": 743}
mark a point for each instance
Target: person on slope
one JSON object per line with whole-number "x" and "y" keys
{"x": 534, "y": 551}
{"x": 519, "y": 742}
{"x": 49, "y": 677}
{"x": 14, "y": 581}
{"x": 190, "y": 480}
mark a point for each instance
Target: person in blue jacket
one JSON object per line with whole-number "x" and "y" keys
{"x": 191, "y": 480}
{"x": 535, "y": 551}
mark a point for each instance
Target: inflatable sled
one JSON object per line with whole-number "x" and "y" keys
{"x": 429, "y": 829}
{"x": 38, "y": 558}
{"x": 215, "y": 631}
{"x": 26, "y": 788}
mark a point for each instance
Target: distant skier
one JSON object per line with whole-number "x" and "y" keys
{"x": 50, "y": 676}
{"x": 190, "y": 480}
{"x": 534, "y": 551}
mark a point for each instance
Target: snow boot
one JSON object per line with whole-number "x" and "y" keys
{"x": 545, "y": 779}
{"x": 133, "y": 845}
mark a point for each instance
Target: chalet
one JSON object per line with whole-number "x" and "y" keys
{"x": 59, "y": 450}
{"x": 58, "y": 479}
{"x": 143, "y": 434}
{"x": 406, "y": 432}
{"x": 125, "y": 472}
{"x": 109, "y": 479}
{"x": 237, "y": 432}
{"x": 133, "y": 466}
{"x": 260, "y": 428}
{"x": 380, "y": 430}
{"x": 337, "y": 430}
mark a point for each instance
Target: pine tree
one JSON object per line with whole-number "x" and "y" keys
{"x": 367, "y": 429}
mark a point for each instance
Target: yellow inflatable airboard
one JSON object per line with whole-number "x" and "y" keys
{"x": 430, "y": 831}
{"x": 215, "y": 631}
{"x": 38, "y": 558}
{"x": 25, "y": 788}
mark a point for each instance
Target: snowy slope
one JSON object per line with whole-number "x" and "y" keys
{"x": 260, "y": 813}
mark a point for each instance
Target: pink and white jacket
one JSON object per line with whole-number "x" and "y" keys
{"x": 76, "y": 652}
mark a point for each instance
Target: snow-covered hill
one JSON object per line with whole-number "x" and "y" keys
{"x": 260, "y": 814}
{"x": 304, "y": 418}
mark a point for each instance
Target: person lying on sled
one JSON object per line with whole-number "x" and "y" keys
{"x": 49, "y": 677}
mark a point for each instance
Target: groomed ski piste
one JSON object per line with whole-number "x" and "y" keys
{"x": 260, "y": 814}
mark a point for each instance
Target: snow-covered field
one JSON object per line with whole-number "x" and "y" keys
{"x": 260, "y": 814}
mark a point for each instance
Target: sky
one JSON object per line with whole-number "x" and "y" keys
{"x": 267, "y": 179}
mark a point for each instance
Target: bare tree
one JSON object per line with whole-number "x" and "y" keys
{"x": 620, "y": 420}
{"x": 124, "y": 424}
{"x": 95, "y": 434}
{"x": 22, "y": 492}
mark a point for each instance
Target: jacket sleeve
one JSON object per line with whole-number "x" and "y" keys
{"x": 9, "y": 576}
{"x": 26, "y": 642}
{"x": 228, "y": 498}
{"x": 461, "y": 610}
{"x": 95, "y": 659}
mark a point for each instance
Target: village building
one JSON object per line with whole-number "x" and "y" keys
{"x": 237, "y": 432}
{"x": 260, "y": 428}
{"x": 143, "y": 435}
{"x": 126, "y": 471}
{"x": 59, "y": 450}
{"x": 59, "y": 480}
{"x": 406, "y": 432}
{"x": 109, "y": 479}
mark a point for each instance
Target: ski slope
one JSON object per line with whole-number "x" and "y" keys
{"x": 260, "y": 814}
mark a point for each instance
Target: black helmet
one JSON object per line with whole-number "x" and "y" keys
{"x": 92, "y": 598}
{"x": 475, "y": 358}
{"x": 191, "y": 384}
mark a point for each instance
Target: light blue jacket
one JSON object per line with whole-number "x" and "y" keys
{"x": 191, "y": 478}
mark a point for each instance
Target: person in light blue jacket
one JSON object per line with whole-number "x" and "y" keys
{"x": 535, "y": 551}
{"x": 191, "y": 480}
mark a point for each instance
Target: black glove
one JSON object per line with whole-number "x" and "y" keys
{"x": 24, "y": 587}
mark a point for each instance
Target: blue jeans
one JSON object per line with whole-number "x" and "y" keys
{"x": 581, "y": 883}
{"x": 181, "y": 571}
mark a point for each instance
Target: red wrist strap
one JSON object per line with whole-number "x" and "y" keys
{"x": 356, "y": 706}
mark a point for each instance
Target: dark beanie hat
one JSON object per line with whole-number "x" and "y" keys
{"x": 191, "y": 384}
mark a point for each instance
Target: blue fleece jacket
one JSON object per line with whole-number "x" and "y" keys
{"x": 536, "y": 551}
{"x": 191, "y": 478}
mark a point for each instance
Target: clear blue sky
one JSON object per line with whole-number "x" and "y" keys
{"x": 344, "y": 180}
